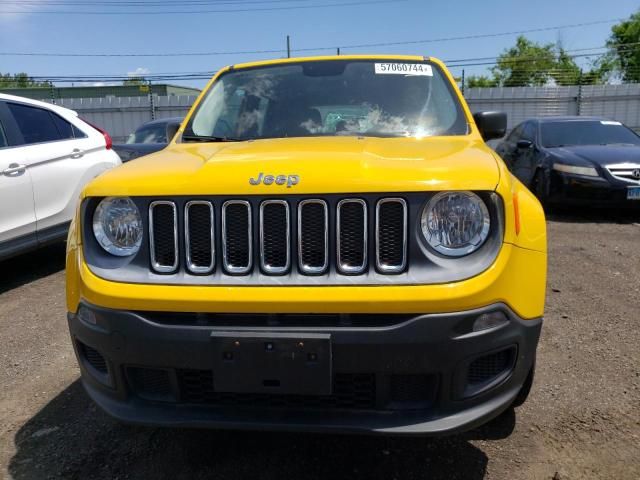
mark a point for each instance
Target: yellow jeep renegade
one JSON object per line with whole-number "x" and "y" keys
{"x": 326, "y": 244}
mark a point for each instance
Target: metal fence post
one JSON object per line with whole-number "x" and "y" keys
{"x": 152, "y": 106}
{"x": 579, "y": 97}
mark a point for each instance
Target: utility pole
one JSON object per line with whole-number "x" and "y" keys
{"x": 338, "y": 51}
{"x": 462, "y": 84}
{"x": 288, "y": 47}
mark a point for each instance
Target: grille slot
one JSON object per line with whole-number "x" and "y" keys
{"x": 163, "y": 236}
{"x": 352, "y": 236}
{"x": 151, "y": 383}
{"x": 237, "y": 237}
{"x": 313, "y": 236}
{"x": 93, "y": 357}
{"x": 391, "y": 235}
{"x": 199, "y": 237}
{"x": 489, "y": 367}
{"x": 350, "y": 391}
{"x": 275, "y": 238}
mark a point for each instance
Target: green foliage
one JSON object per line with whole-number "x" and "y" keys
{"x": 566, "y": 71}
{"x": 21, "y": 80}
{"x": 525, "y": 64}
{"x": 481, "y": 81}
{"x": 624, "y": 45}
{"x": 529, "y": 64}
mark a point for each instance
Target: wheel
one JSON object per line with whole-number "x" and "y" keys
{"x": 540, "y": 188}
{"x": 523, "y": 394}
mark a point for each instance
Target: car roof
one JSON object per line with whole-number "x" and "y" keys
{"x": 162, "y": 120}
{"x": 568, "y": 118}
{"x": 37, "y": 103}
{"x": 320, "y": 58}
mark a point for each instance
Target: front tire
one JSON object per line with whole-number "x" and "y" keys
{"x": 540, "y": 187}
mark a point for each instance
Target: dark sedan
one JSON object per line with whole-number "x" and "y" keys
{"x": 148, "y": 138}
{"x": 576, "y": 160}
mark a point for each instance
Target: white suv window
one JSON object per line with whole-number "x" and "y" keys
{"x": 3, "y": 138}
{"x": 37, "y": 125}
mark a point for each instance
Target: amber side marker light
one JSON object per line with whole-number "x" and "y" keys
{"x": 516, "y": 212}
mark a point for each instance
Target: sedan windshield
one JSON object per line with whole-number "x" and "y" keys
{"x": 580, "y": 132}
{"x": 329, "y": 98}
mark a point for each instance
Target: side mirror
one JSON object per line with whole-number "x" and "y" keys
{"x": 491, "y": 124}
{"x": 172, "y": 129}
{"x": 524, "y": 144}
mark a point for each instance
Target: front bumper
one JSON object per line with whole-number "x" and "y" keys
{"x": 412, "y": 374}
{"x": 579, "y": 190}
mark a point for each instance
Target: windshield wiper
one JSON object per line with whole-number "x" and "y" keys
{"x": 208, "y": 138}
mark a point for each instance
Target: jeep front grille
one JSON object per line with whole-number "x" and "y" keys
{"x": 313, "y": 236}
{"x": 237, "y": 237}
{"x": 352, "y": 236}
{"x": 275, "y": 233}
{"x": 199, "y": 237}
{"x": 163, "y": 236}
{"x": 391, "y": 235}
{"x": 279, "y": 236}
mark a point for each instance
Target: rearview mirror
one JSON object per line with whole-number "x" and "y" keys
{"x": 491, "y": 124}
{"x": 172, "y": 129}
{"x": 524, "y": 144}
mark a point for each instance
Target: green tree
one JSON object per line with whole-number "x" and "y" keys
{"x": 624, "y": 48}
{"x": 525, "y": 64}
{"x": 566, "y": 71}
{"x": 481, "y": 81}
{"x": 21, "y": 80}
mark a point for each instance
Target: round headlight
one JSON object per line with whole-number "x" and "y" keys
{"x": 117, "y": 226}
{"x": 455, "y": 223}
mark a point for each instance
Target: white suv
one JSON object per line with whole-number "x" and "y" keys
{"x": 47, "y": 154}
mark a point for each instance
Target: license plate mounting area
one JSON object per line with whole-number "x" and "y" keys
{"x": 275, "y": 363}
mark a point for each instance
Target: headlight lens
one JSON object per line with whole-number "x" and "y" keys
{"x": 455, "y": 223}
{"x": 588, "y": 171}
{"x": 117, "y": 226}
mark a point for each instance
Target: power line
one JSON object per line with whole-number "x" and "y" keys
{"x": 190, "y": 12}
{"x": 139, "y": 3}
{"x": 208, "y": 74}
{"x": 313, "y": 49}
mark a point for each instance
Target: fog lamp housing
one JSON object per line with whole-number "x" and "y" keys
{"x": 489, "y": 320}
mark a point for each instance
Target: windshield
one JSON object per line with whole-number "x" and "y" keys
{"x": 149, "y": 134}
{"x": 561, "y": 134}
{"x": 327, "y": 98}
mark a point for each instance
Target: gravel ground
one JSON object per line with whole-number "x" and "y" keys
{"x": 582, "y": 419}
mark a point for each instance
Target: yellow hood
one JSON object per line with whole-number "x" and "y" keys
{"x": 323, "y": 165}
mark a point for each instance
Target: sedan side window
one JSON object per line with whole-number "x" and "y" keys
{"x": 35, "y": 124}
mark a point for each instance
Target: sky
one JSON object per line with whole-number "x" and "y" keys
{"x": 343, "y": 23}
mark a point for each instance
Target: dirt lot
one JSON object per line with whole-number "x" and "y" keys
{"x": 581, "y": 421}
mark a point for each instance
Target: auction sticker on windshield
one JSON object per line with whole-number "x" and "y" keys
{"x": 403, "y": 69}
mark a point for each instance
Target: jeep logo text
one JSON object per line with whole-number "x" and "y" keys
{"x": 288, "y": 180}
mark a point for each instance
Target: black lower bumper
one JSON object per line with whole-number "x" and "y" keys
{"x": 578, "y": 190}
{"x": 409, "y": 374}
